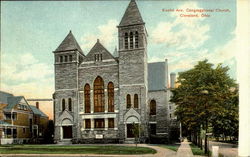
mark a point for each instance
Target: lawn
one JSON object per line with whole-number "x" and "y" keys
{"x": 173, "y": 147}
{"x": 74, "y": 149}
{"x": 196, "y": 150}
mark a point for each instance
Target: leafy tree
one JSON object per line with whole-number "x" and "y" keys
{"x": 202, "y": 95}
{"x": 136, "y": 131}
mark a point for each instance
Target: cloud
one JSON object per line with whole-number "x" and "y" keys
{"x": 23, "y": 74}
{"x": 107, "y": 34}
{"x": 183, "y": 32}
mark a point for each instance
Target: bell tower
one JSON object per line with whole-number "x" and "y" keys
{"x": 132, "y": 36}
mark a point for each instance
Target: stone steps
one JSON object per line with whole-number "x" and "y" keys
{"x": 65, "y": 142}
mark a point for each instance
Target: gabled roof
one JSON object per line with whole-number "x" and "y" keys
{"x": 12, "y": 101}
{"x": 4, "y": 97}
{"x": 37, "y": 111}
{"x": 98, "y": 48}
{"x": 132, "y": 15}
{"x": 156, "y": 76}
{"x": 69, "y": 43}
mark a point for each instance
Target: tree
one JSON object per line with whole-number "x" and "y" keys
{"x": 136, "y": 131}
{"x": 203, "y": 93}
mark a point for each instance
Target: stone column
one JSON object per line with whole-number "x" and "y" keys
{"x": 106, "y": 100}
{"x": 106, "y": 123}
{"x": 92, "y": 124}
{"x": 243, "y": 65}
{"x": 91, "y": 101}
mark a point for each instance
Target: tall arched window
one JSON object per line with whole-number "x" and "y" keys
{"x": 126, "y": 41}
{"x": 131, "y": 41}
{"x": 110, "y": 97}
{"x": 63, "y": 104}
{"x": 87, "y": 98}
{"x": 136, "y": 103}
{"x": 136, "y": 40}
{"x": 66, "y": 58}
{"x": 128, "y": 101}
{"x": 70, "y": 104}
{"x": 152, "y": 107}
{"x": 99, "y": 95}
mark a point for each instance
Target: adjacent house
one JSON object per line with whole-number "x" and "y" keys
{"x": 17, "y": 119}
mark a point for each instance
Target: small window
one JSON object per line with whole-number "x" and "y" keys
{"x": 63, "y": 104}
{"x": 152, "y": 107}
{"x": 14, "y": 116}
{"x": 126, "y": 41}
{"x": 136, "y": 103}
{"x": 8, "y": 116}
{"x": 70, "y": 58}
{"x": 61, "y": 59}
{"x": 66, "y": 58}
{"x": 111, "y": 123}
{"x": 70, "y": 104}
{"x": 153, "y": 129}
{"x": 24, "y": 130}
{"x": 99, "y": 123}
{"x": 136, "y": 40}
{"x": 128, "y": 101}
{"x": 87, "y": 124}
{"x": 131, "y": 41}
{"x": 100, "y": 57}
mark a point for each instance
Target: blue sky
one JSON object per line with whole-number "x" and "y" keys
{"x": 30, "y": 31}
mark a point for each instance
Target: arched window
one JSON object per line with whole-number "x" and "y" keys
{"x": 131, "y": 41}
{"x": 99, "y": 95}
{"x": 136, "y": 101}
{"x": 70, "y": 104}
{"x": 63, "y": 104}
{"x": 110, "y": 97}
{"x": 136, "y": 40}
{"x": 152, "y": 107}
{"x": 126, "y": 41}
{"x": 61, "y": 59}
{"x": 128, "y": 101}
{"x": 66, "y": 58}
{"x": 70, "y": 58}
{"x": 87, "y": 98}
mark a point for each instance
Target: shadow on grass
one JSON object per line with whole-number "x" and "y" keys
{"x": 71, "y": 149}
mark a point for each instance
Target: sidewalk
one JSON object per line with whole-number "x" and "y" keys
{"x": 185, "y": 150}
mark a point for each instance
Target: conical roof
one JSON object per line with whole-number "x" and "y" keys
{"x": 132, "y": 15}
{"x": 69, "y": 43}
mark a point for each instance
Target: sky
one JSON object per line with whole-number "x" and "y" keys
{"x": 31, "y": 30}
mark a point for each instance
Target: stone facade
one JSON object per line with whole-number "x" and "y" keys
{"x": 100, "y": 96}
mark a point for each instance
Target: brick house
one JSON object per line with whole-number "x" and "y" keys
{"x": 99, "y": 96}
{"x": 17, "y": 119}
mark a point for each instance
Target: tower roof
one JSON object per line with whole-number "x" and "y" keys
{"x": 132, "y": 15}
{"x": 69, "y": 43}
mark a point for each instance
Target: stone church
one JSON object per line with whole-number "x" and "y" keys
{"x": 101, "y": 96}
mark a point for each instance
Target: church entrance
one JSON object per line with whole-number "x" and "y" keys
{"x": 130, "y": 133}
{"x": 67, "y": 132}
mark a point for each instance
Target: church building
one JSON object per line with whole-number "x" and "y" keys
{"x": 101, "y": 97}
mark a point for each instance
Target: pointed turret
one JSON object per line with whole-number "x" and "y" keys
{"x": 69, "y": 43}
{"x": 132, "y": 15}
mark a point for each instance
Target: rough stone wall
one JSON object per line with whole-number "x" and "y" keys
{"x": 161, "y": 117}
{"x": 108, "y": 71}
{"x": 66, "y": 74}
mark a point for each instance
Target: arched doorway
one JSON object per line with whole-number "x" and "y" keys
{"x": 131, "y": 122}
{"x": 67, "y": 129}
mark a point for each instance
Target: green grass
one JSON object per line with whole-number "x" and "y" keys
{"x": 196, "y": 150}
{"x": 173, "y": 147}
{"x": 74, "y": 149}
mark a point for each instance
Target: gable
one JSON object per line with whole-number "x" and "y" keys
{"x": 98, "y": 50}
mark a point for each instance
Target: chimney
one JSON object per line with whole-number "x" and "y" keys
{"x": 37, "y": 105}
{"x": 166, "y": 73}
{"x": 172, "y": 80}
